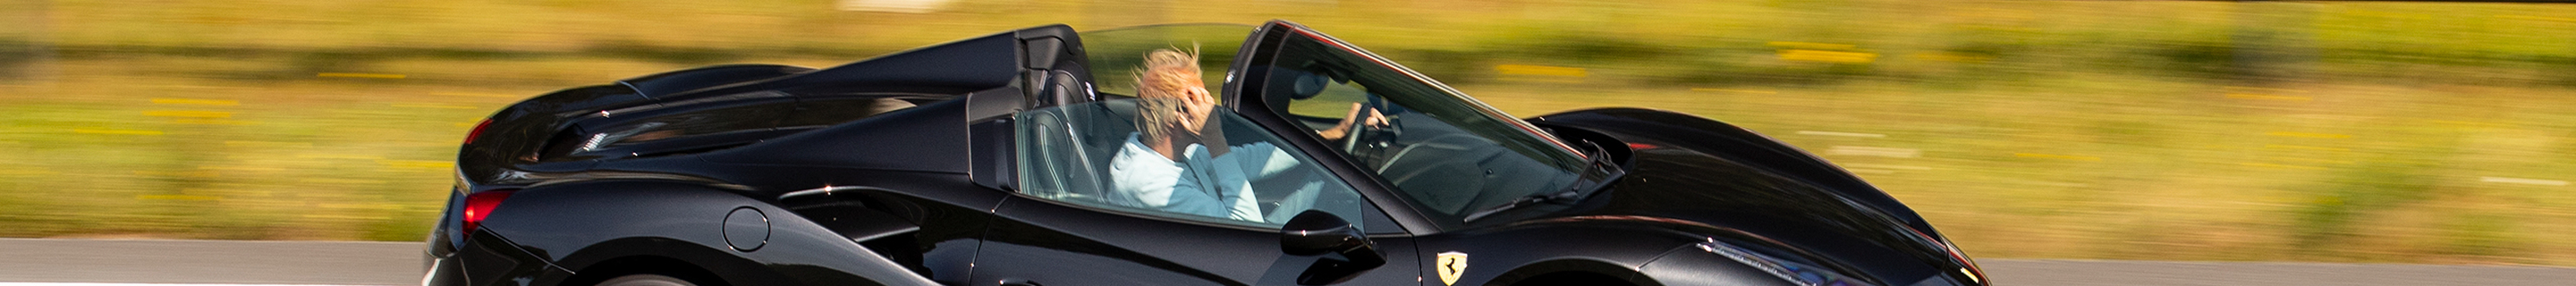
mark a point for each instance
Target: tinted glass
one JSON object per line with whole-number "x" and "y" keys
{"x": 1445, "y": 152}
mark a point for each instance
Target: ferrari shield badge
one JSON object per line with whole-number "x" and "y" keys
{"x": 1452, "y": 264}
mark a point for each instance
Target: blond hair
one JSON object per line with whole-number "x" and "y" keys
{"x": 1161, "y": 84}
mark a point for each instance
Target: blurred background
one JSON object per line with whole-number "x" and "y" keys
{"x": 2154, "y": 130}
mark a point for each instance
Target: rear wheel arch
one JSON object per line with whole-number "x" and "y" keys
{"x": 696, "y": 262}
{"x": 645, "y": 264}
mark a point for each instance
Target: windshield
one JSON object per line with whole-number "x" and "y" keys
{"x": 1446, "y": 153}
{"x": 1115, "y": 54}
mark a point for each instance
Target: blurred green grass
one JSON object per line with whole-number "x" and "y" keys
{"x": 2348, "y": 132}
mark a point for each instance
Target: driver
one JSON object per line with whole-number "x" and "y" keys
{"x": 1179, "y": 161}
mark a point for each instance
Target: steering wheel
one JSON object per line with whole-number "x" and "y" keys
{"x": 1375, "y": 137}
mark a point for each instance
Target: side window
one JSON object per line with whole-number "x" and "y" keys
{"x": 1090, "y": 154}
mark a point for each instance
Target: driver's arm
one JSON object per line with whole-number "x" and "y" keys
{"x": 1343, "y": 129}
{"x": 1226, "y": 174}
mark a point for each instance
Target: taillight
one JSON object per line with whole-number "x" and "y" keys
{"x": 479, "y": 206}
{"x": 478, "y": 130}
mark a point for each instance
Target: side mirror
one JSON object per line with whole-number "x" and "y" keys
{"x": 1316, "y": 232}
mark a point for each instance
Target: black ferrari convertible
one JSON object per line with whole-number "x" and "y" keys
{"x": 998, "y": 160}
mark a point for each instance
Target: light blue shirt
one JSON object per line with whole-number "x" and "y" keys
{"x": 1199, "y": 184}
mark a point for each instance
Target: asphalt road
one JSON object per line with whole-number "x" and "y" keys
{"x": 31, "y": 262}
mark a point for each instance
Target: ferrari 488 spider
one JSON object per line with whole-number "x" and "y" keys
{"x": 1028, "y": 158}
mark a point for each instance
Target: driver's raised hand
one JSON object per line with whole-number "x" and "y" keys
{"x": 1354, "y": 117}
{"x": 1196, "y": 104}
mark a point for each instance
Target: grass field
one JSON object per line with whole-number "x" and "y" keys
{"x": 2377, "y": 132}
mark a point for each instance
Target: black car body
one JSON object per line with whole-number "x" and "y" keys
{"x": 979, "y": 163}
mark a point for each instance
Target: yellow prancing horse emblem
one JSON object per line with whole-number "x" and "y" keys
{"x": 1452, "y": 264}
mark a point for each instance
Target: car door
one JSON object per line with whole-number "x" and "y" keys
{"x": 1065, "y": 227}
